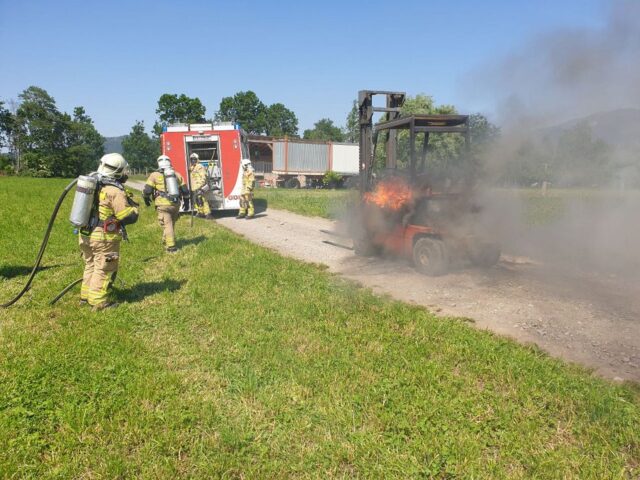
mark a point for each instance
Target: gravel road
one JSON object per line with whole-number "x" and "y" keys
{"x": 587, "y": 318}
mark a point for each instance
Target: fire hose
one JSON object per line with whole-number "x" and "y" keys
{"x": 43, "y": 246}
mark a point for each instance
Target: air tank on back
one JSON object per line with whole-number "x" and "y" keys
{"x": 171, "y": 183}
{"x": 83, "y": 201}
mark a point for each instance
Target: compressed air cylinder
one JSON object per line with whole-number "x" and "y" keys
{"x": 83, "y": 201}
{"x": 171, "y": 182}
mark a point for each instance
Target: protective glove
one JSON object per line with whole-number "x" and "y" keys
{"x": 130, "y": 199}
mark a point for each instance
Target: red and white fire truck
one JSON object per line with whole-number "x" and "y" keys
{"x": 220, "y": 147}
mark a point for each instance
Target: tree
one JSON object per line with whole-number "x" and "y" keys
{"x": 280, "y": 121}
{"x": 445, "y": 154}
{"x": 527, "y": 165}
{"x": 483, "y": 133}
{"x": 51, "y": 143}
{"x": 178, "y": 109}
{"x": 324, "y": 130}
{"x": 40, "y": 130}
{"x": 139, "y": 149}
{"x": 580, "y": 159}
{"x": 6, "y": 126}
{"x": 352, "y": 129}
{"x": 84, "y": 145}
{"x": 246, "y": 109}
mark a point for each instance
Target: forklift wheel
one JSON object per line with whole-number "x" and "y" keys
{"x": 430, "y": 256}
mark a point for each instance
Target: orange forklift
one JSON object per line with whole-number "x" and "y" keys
{"x": 405, "y": 211}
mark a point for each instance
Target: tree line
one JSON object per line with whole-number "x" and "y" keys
{"x": 38, "y": 139}
{"x": 45, "y": 142}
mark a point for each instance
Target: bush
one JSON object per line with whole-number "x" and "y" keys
{"x": 332, "y": 179}
{"x": 6, "y": 167}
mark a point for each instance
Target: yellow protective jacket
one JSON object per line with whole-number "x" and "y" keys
{"x": 113, "y": 202}
{"x": 198, "y": 176}
{"x": 155, "y": 182}
{"x": 248, "y": 179}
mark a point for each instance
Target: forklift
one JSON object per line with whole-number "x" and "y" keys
{"x": 407, "y": 212}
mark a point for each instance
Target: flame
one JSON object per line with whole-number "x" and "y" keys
{"x": 392, "y": 194}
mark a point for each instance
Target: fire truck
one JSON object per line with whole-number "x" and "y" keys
{"x": 220, "y": 147}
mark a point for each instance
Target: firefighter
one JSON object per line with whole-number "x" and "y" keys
{"x": 246, "y": 194}
{"x": 166, "y": 186}
{"x": 100, "y": 242}
{"x": 199, "y": 184}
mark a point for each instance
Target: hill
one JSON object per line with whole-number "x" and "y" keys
{"x": 617, "y": 128}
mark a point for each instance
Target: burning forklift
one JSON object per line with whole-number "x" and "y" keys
{"x": 408, "y": 212}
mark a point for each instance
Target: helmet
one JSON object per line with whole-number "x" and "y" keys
{"x": 164, "y": 162}
{"x": 194, "y": 157}
{"x": 245, "y": 162}
{"x": 113, "y": 165}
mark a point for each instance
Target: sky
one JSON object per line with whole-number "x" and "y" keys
{"x": 117, "y": 58}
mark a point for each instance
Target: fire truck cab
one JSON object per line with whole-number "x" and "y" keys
{"x": 220, "y": 147}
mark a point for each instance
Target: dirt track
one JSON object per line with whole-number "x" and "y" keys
{"x": 589, "y": 319}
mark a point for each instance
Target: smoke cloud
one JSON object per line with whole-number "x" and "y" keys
{"x": 568, "y": 73}
{"x": 559, "y": 76}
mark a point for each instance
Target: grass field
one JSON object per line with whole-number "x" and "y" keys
{"x": 316, "y": 203}
{"x": 229, "y": 361}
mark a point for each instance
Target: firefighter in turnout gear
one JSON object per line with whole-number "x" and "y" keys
{"x": 165, "y": 186}
{"x": 199, "y": 184}
{"x": 100, "y": 240}
{"x": 246, "y": 194}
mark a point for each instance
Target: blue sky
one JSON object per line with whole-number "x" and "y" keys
{"x": 116, "y": 58}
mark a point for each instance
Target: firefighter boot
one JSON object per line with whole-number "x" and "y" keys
{"x": 242, "y": 213}
{"x": 251, "y": 212}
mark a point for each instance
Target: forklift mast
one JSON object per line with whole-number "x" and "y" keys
{"x": 394, "y": 101}
{"x": 424, "y": 124}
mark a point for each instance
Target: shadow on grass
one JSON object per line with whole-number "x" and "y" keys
{"x": 183, "y": 242}
{"x": 142, "y": 290}
{"x": 11, "y": 271}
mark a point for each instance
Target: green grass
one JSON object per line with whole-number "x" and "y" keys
{"x": 229, "y": 361}
{"x": 314, "y": 203}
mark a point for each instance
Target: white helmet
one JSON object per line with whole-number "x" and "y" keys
{"x": 194, "y": 157}
{"x": 164, "y": 162}
{"x": 113, "y": 165}
{"x": 245, "y": 162}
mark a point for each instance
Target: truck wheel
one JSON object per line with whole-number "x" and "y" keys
{"x": 484, "y": 254}
{"x": 430, "y": 256}
{"x": 292, "y": 183}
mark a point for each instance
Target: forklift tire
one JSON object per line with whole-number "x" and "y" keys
{"x": 485, "y": 254}
{"x": 430, "y": 256}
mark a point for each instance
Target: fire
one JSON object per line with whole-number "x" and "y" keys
{"x": 392, "y": 194}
